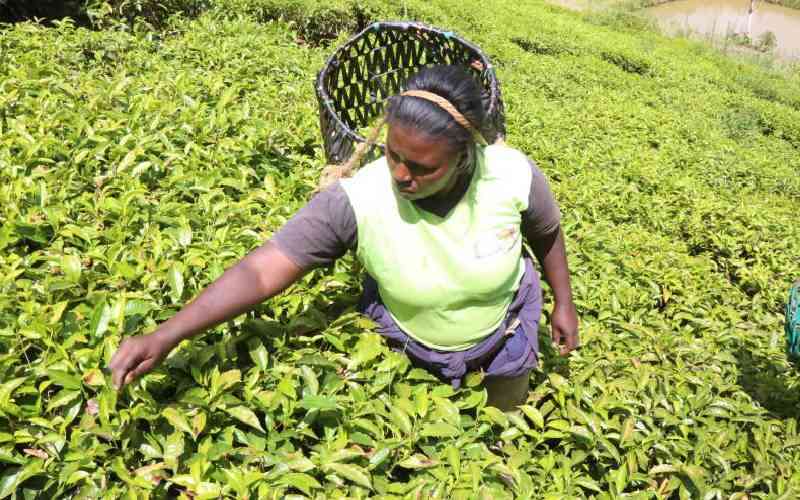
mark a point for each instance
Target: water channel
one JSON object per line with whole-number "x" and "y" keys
{"x": 716, "y": 18}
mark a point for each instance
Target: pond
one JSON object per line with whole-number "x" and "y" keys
{"x": 716, "y": 18}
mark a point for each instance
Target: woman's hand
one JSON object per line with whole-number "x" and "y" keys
{"x": 564, "y": 327}
{"x": 137, "y": 356}
{"x": 263, "y": 273}
{"x": 552, "y": 254}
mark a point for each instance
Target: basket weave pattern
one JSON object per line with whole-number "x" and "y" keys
{"x": 375, "y": 64}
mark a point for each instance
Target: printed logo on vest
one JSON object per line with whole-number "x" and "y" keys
{"x": 497, "y": 242}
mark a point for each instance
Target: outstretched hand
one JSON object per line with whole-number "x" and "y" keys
{"x": 263, "y": 273}
{"x": 137, "y": 356}
{"x": 564, "y": 325}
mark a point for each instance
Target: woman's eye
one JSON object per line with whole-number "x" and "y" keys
{"x": 418, "y": 170}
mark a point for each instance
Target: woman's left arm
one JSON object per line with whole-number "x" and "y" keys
{"x": 551, "y": 253}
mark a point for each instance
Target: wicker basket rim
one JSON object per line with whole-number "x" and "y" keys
{"x": 324, "y": 97}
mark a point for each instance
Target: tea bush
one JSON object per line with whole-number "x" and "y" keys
{"x": 135, "y": 166}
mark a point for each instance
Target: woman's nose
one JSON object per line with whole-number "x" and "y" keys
{"x": 401, "y": 173}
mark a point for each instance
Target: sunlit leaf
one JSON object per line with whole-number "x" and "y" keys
{"x": 177, "y": 419}
{"x": 175, "y": 280}
{"x": 101, "y": 317}
{"x": 417, "y": 461}
{"x": 318, "y": 403}
{"x": 245, "y": 415}
{"x": 352, "y": 473}
{"x": 439, "y": 430}
{"x": 258, "y": 353}
{"x": 71, "y": 264}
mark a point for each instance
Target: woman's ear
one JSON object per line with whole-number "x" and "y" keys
{"x": 465, "y": 158}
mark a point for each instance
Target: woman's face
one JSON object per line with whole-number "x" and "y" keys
{"x": 420, "y": 165}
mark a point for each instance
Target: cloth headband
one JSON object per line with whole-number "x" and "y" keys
{"x": 448, "y": 106}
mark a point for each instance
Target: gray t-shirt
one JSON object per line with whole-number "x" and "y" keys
{"x": 325, "y": 229}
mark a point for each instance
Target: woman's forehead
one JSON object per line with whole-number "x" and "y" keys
{"x": 418, "y": 146}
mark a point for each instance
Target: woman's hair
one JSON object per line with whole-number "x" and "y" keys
{"x": 450, "y": 82}
{"x": 454, "y": 84}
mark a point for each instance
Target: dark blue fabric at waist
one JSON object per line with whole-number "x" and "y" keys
{"x": 509, "y": 351}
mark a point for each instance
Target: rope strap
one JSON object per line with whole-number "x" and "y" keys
{"x": 448, "y": 106}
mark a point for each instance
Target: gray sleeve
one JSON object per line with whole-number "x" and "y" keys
{"x": 543, "y": 215}
{"x": 320, "y": 232}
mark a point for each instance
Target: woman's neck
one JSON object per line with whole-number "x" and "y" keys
{"x": 445, "y": 200}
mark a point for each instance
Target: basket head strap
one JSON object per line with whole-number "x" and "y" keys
{"x": 448, "y": 106}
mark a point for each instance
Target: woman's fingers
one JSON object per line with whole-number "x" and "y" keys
{"x": 556, "y": 335}
{"x": 564, "y": 321}
{"x": 120, "y": 364}
{"x": 558, "y": 339}
{"x": 567, "y": 341}
{"x": 143, "y": 367}
{"x": 131, "y": 360}
{"x": 575, "y": 340}
{"x": 130, "y": 377}
{"x": 119, "y": 373}
{"x": 571, "y": 340}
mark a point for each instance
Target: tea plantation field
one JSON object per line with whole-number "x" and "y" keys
{"x": 137, "y": 164}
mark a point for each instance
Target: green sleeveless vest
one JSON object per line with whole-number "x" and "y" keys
{"x": 447, "y": 282}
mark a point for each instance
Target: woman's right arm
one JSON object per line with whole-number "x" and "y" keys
{"x": 263, "y": 273}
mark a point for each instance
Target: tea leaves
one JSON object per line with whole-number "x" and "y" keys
{"x": 137, "y": 164}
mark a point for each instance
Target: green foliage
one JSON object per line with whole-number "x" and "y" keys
{"x": 316, "y": 23}
{"x": 135, "y": 166}
{"x": 767, "y": 42}
{"x": 154, "y": 13}
{"x": 21, "y": 10}
{"x": 100, "y": 13}
{"x": 792, "y": 4}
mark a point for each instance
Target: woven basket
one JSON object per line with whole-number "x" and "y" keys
{"x": 375, "y": 65}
